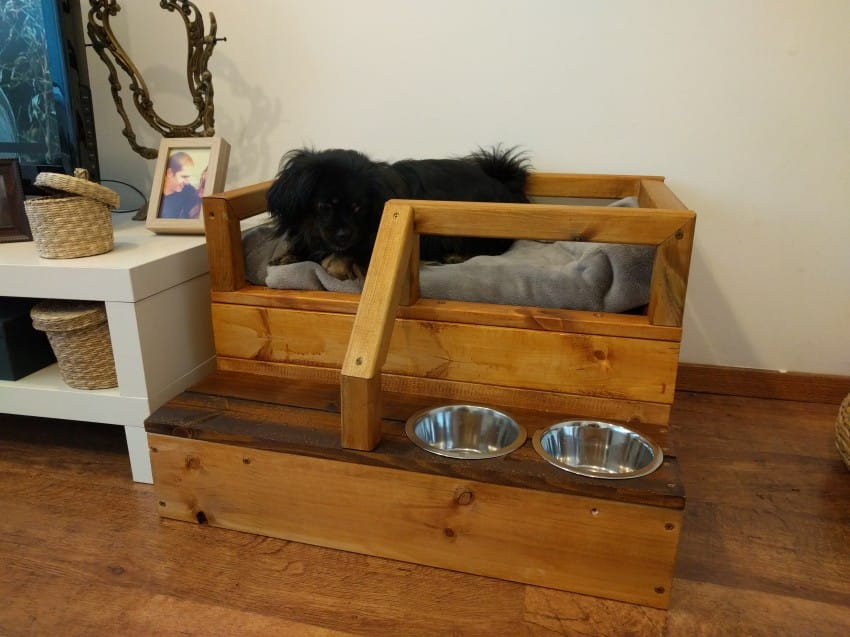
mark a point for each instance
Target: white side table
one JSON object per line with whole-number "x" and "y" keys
{"x": 157, "y": 296}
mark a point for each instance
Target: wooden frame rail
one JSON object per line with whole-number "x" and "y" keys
{"x": 389, "y": 279}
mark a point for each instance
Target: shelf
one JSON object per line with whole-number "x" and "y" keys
{"x": 44, "y": 394}
{"x": 140, "y": 264}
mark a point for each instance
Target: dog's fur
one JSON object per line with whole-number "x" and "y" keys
{"x": 328, "y": 203}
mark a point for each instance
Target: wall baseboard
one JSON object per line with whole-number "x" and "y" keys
{"x": 762, "y": 383}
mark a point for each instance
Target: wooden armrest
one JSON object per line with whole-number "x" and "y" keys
{"x": 223, "y": 213}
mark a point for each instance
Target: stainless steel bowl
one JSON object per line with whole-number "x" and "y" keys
{"x": 598, "y": 449}
{"x": 465, "y": 431}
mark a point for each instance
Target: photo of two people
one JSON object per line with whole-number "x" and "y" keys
{"x": 183, "y": 183}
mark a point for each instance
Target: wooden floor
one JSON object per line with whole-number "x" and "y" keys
{"x": 765, "y": 548}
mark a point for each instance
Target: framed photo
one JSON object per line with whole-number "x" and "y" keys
{"x": 13, "y": 218}
{"x": 187, "y": 169}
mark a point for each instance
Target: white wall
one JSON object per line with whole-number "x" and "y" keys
{"x": 743, "y": 105}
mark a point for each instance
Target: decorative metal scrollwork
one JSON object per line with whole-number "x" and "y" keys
{"x": 200, "y": 79}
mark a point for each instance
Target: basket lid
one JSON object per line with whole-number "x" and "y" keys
{"x": 61, "y": 316}
{"x": 78, "y": 186}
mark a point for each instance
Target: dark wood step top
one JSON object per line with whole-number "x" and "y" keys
{"x": 302, "y": 417}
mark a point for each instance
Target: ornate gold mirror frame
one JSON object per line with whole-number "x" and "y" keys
{"x": 200, "y": 79}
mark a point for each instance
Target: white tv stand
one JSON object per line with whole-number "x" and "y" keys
{"x": 157, "y": 296}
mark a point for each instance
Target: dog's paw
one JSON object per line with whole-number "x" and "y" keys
{"x": 342, "y": 268}
{"x": 284, "y": 259}
{"x": 450, "y": 259}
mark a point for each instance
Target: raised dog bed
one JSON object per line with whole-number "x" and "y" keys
{"x": 300, "y": 433}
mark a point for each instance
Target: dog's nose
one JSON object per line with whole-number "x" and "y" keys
{"x": 342, "y": 235}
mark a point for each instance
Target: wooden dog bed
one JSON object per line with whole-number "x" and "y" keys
{"x": 299, "y": 434}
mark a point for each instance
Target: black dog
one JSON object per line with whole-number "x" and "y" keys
{"x": 329, "y": 203}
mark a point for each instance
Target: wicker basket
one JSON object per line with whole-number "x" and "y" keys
{"x": 79, "y": 336}
{"x": 842, "y": 430}
{"x": 74, "y": 222}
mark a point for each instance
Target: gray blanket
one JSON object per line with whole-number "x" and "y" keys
{"x": 599, "y": 277}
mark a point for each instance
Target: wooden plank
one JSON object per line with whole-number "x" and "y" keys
{"x": 654, "y": 193}
{"x": 551, "y": 222}
{"x": 583, "y": 185}
{"x": 246, "y": 201}
{"x": 360, "y": 417}
{"x": 558, "y": 320}
{"x": 619, "y": 410}
{"x": 598, "y": 547}
{"x": 763, "y": 383}
{"x": 373, "y": 327}
{"x": 670, "y": 277}
{"x": 224, "y": 245}
{"x": 700, "y": 609}
{"x": 600, "y": 366}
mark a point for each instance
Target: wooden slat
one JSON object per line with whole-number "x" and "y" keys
{"x": 577, "y": 321}
{"x": 373, "y": 327}
{"x": 576, "y": 185}
{"x": 600, "y": 366}
{"x": 631, "y": 412}
{"x": 548, "y": 222}
{"x": 562, "y": 541}
{"x": 247, "y": 201}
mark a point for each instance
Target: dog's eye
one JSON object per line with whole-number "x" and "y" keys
{"x": 355, "y": 207}
{"x": 323, "y": 206}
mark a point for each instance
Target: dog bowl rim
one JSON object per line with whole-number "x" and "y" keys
{"x": 653, "y": 465}
{"x": 410, "y": 426}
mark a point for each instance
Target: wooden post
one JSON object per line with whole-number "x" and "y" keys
{"x": 223, "y": 213}
{"x": 373, "y": 325}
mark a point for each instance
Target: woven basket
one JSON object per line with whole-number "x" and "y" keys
{"x": 842, "y": 431}
{"x": 74, "y": 222}
{"x": 79, "y": 336}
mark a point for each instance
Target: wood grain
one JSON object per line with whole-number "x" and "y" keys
{"x": 544, "y": 221}
{"x": 601, "y": 366}
{"x": 527, "y": 317}
{"x": 669, "y": 282}
{"x": 627, "y": 411}
{"x": 562, "y": 541}
{"x": 84, "y": 551}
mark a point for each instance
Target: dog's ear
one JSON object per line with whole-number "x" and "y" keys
{"x": 291, "y": 194}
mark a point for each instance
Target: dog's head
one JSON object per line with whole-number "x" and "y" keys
{"x": 330, "y": 200}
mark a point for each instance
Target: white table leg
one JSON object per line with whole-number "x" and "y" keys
{"x": 140, "y": 460}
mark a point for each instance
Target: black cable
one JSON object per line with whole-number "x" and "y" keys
{"x": 141, "y": 194}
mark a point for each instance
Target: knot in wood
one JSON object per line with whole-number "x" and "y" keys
{"x": 465, "y": 498}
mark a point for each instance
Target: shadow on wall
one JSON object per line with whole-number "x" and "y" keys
{"x": 709, "y": 314}
{"x": 236, "y": 124}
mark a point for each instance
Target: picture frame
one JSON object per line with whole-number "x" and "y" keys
{"x": 14, "y": 225}
{"x": 187, "y": 169}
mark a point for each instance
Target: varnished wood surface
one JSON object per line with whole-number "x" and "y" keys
{"x": 763, "y": 551}
{"x": 303, "y": 417}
